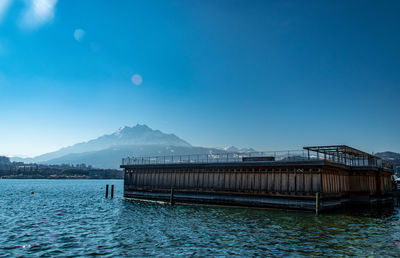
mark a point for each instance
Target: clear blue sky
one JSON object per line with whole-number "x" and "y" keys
{"x": 262, "y": 74}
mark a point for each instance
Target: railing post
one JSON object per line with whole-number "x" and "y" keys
{"x": 171, "y": 198}
{"x": 316, "y": 203}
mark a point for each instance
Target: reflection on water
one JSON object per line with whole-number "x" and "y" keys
{"x": 72, "y": 217}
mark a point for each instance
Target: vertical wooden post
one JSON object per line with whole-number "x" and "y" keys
{"x": 106, "y": 191}
{"x": 112, "y": 191}
{"x": 171, "y": 199}
{"x": 316, "y": 203}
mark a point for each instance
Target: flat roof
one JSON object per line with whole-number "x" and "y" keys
{"x": 242, "y": 164}
{"x": 341, "y": 150}
{"x": 340, "y": 154}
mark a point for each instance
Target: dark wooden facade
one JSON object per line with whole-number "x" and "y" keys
{"x": 292, "y": 184}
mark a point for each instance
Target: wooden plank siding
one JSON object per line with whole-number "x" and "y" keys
{"x": 260, "y": 180}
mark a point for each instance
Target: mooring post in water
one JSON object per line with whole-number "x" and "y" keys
{"x": 171, "y": 199}
{"x": 316, "y": 203}
{"x": 112, "y": 191}
{"x": 106, "y": 191}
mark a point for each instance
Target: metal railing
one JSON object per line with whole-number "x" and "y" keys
{"x": 229, "y": 157}
{"x": 226, "y": 157}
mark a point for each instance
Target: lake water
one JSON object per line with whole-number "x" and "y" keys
{"x": 72, "y": 218}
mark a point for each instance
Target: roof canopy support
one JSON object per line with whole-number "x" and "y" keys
{"x": 343, "y": 154}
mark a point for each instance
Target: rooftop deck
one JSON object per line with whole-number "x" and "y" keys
{"x": 340, "y": 154}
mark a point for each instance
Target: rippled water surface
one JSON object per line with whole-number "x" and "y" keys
{"x": 72, "y": 218}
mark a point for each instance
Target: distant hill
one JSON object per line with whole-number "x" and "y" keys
{"x": 392, "y": 157}
{"x": 388, "y": 155}
{"x": 108, "y": 150}
{"x": 4, "y": 162}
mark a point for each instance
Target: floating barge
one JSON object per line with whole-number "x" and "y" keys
{"x": 315, "y": 178}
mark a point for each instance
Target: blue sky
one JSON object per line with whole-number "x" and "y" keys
{"x": 262, "y": 74}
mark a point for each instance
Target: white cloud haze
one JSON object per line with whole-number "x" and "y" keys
{"x": 38, "y": 12}
{"x": 4, "y": 5}
{"x": 79, "y": 34}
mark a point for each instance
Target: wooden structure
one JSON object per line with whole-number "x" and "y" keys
{"x": 318, "y": 181}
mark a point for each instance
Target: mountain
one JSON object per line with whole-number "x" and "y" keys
{"x": 111, "y": 157}
{"x": 125, "y": 136}
{"x": 107, "y": 151}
